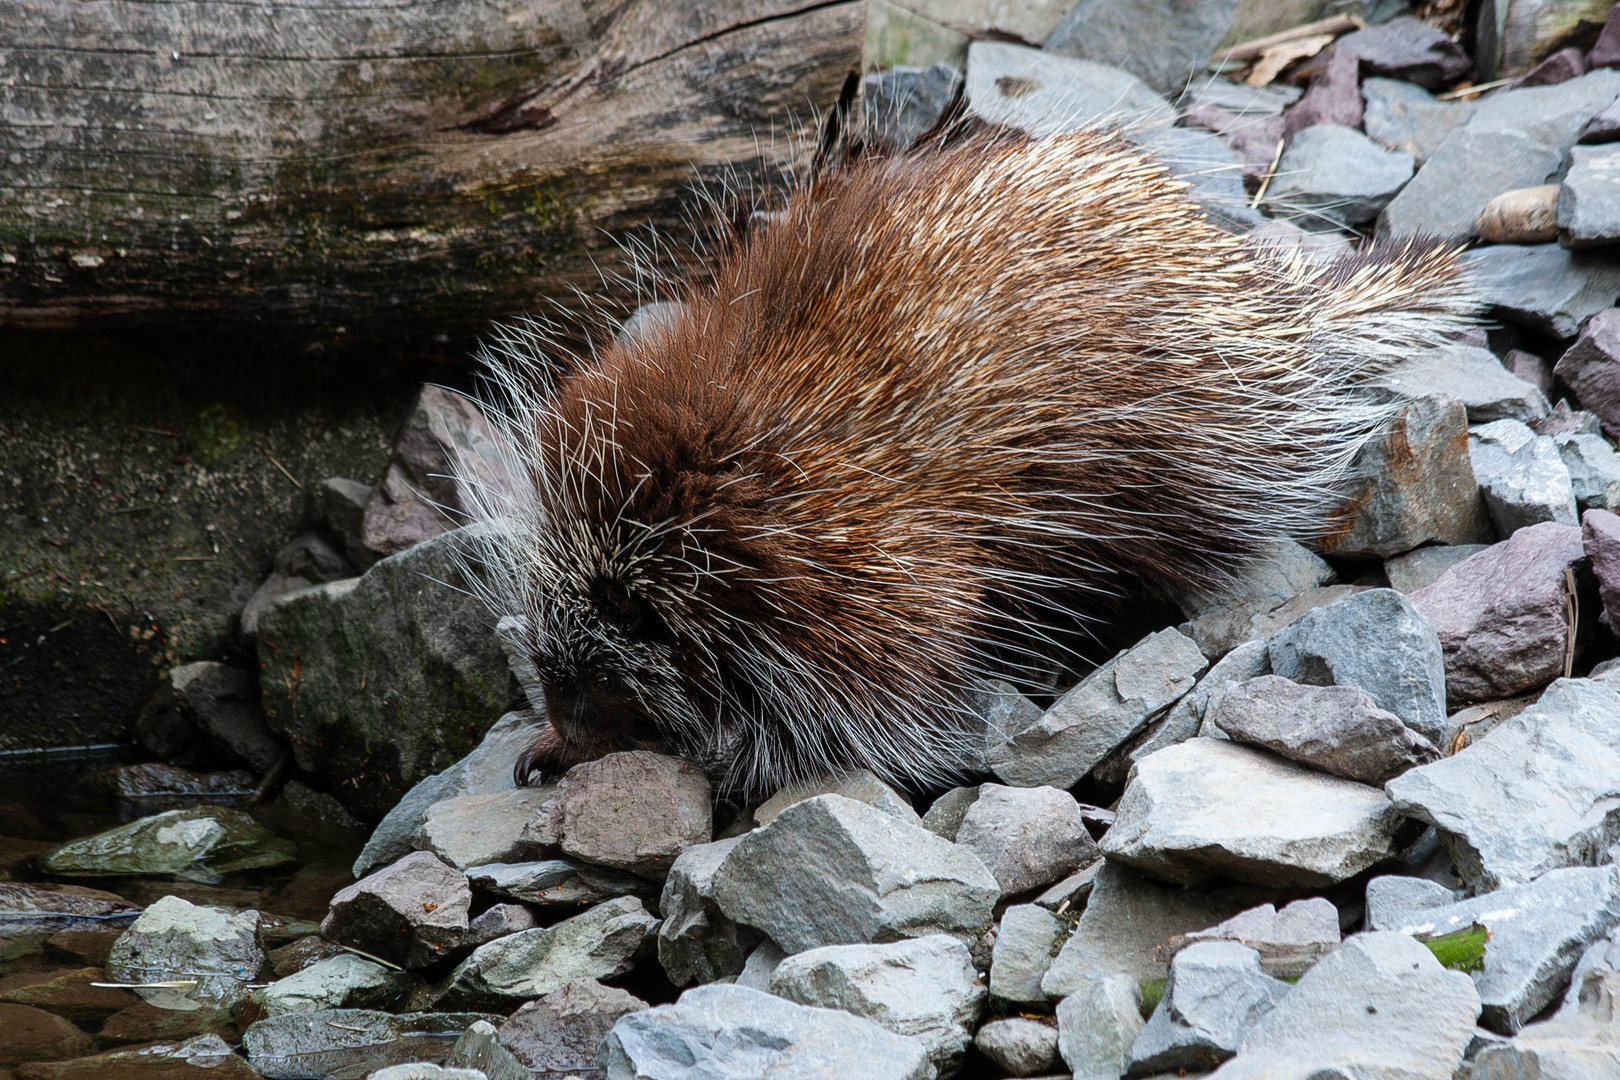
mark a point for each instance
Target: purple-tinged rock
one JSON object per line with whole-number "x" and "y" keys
{"x": 632, "y": 811}
{"x": 498, "y": 922}
{"x": 1561, "y": 66}
{"x": 1605, "y": 51}
{"x": 1600, "y": 538}
{"x": 411, "y": 913}
{"x": 1564, "y": 420}
{"x": 1337, "y": 729}
{"x": 1334, "y": 96}
{"x": 1501, "y": 615}
{"x": 560, "y": 1032}
{"x": 1405, "y": 48}
{"x": 1602, "y": 128}
{"x": 1026, "y": 837}
{"x": 1412, "y": 571}
{"x": 1591, "y": 367}
{"x": 1532, "y": 369}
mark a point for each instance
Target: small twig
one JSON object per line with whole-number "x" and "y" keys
{"x": 194, "y": 558}
{"x": 345, "y": 1027}
{"x": 1265, "y": 181}
{"x": 283, "y": 469}
{"x": 1251, "y": 50}
{"x": 158, "y": 431}
{"x": 1572, "y": 615}
{"x": 1458, "y": 95}
{"x": 374, "y": 959}
{"x": 179, "y": 984}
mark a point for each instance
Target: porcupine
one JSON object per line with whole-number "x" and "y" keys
{"x": 932, "y": 406}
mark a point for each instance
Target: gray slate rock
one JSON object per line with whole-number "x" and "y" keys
{"x": 1405, "y": 48}
{"x": 1394, "y": 902}
{"x": 1026, "y": 942}
{"x": 1543, "y": 286}
{"x": 479, "y": 1050}
{"x": 473, "y": 830}
{"x": 1515, "y": 139}
{"x": 696, "y": 942}
{"x": 1127, "y": 918}
{"x": 1040, "y": 93}
{"x": 1500, "y": 615}
{"x": 762, "y": 964}
{"x": 1336, "y": 729}
{"x": 1589, "y": 201}
{"x": 1210, "y": 169}
{"x": 1110, "y": 705}
{"x": 1522, "y": 476}
{"x": 562, "y": 1030}
{"x": 924, "y": 988}
{"x": 1473, "y": 376}
{"x": 1564, "y": 420}
{"x": 498, "y": 922}
{"x": 601, "y": 943}
{"x": 832, "y": 871}
{"x": 633, "y": 810}
{"x": 1165, "y": 43}
{"x": 411, "y": 913}
{"x": 341, "y": 504}
{"x": 1288, "y": 942}
{"x": 1412, "y": 571}
{"x": 556, "y": 883}
{"x": 1098, "y": 1025}
{"x": 1600, "y": 537}
{"x": 1222, "y": 620}
{"x": 1215, "y": 994}
{"x": 1594, "y": 470}
{"x": 1380, "y": 1007}
{"x": 1248, "y": 661}
{"x": 858, "y": 784}
{"x": 944, "y": 817}
{"x": 350, "y": 1042}
{"x": 223, "y": 702}
{"x": 1241, "y": 99}
{"x": 1537, "y": 933}
{"x": 174, "y": 939}
{"x": 733, "y": 1033}
{"x": 1591, "y": 366}
{"x": 1376, "y": 640}
{"x": 903, "y": 103}
{"x": 1206, "y": 808}
{"x": 1026, "y": 837}
{"x": 1404, "y": 116}
{"x": 1019, "y": 1046}
{"x": 488, "y": 768}
{"x": 197, "y": 843}
{"x": 1331, "y": 173}
{"x": 1578, "y": 1041}
{"x": 1414, "y": 484}
{"x": 390, "y": 660}
{"x": 345, "y": 981}
{"x": 309, "y": 560}
{"x": 1537, "y": 792}
{"x": 426, "y": 1070}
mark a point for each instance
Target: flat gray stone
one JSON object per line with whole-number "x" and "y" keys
{"x": 1336, "y": 729}
{"x": 1537, "y": 932}
{"x": 1515, "y": 139}
{"x": 1500, "y": 615}
{"x": 1413, "y": 483}
{"x": 174, "y": 939}
{"x": 858, "y": 784}
{"x": 1375, "y": 640}
{"x": 1394, "y": 902}
{"x": 410, "y": 913}
{"x": 1026, "y": 837}
{"x": 1040, "y": 93}
{"x": 562, "y": 1031}
{"x": 696, "y": 942}
{"x": 1288, "y": 942}
{"x": 1216, "y": 992}
{"x": 1210, "y": 169}
{"x": 1404, "y": 116}
{"x": 832, "y": 871}
{"x": 924, "y": 988}
{"x": 601, "y": 943}
{"x": 1412, "y": 571}
{"x": 345, "y": 981}
{"x": 1539, "y": 791}
{"x": 1026, "y": 942}
{"x": 1578, "y": 1041}
{"x": 1543, "y": 286}
{"x": 1020, "y": 1046}
{"x": 1206, "y": 808}
{"x": 1248, "y": 661}
{"x": 1165, "y": 43}
{"x": 1334, "y": 174}
{"x": 471, "y": 830}
{"x": 733, "y": 1033}
{"x": 1126, "y": 920}
{"x": 1522, "y": 476}
{"x": 1070, "y": 894}
{"x": 1589, "y": 201}
{"x": 1097, "y": 1025}
{"x": 1110, "y": 705}
{"x": 559, "y": 883}
{"x": 1473, "y": 376}
{"x": 1222, "y": 620}
{"x": 1379, "y": 1008}
{"x": 1594, "y": 470}
{"x": 389, "y": 659}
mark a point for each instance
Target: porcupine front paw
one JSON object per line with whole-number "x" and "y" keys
{"x": 545, "y": 756}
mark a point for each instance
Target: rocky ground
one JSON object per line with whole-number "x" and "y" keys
{"x": 1356, "y": 816}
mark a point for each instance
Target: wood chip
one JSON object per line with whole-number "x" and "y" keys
{"x": 1275, "y": 59}
{"x": 1253, "y": 50}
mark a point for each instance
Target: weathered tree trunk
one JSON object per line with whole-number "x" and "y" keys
{"x": 374, "y": 169}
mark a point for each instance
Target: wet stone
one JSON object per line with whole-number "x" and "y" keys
{"x": 923, "y": 988}
{"x": 202, "y": 843}
{"x": 1216, "y": 992}
{"x": 632, "y": 811}
{"x": 71, "y": 993}
{"x": 832, "y": 871}
{"x": 696, "y": 942}
{"x": 562, "y": 1030}
{"x": 223, "y": 702}
{"x": 1026, "y": 942}
{"x": 601, "y": 943}
{"x": 425, "y": 1070}
{"x": 1026, "y": 837}
{"x": 300, "y": 954}
{"x": 36, "y": 1035}
{"x": 174, "y": 940}
{"x": 555, "y": 883}
{"x": 205, "y": 1057}
{"x": 345, "y": 981}
{"x": 350, "y": 1042}
{"x": 480, "y": 1049}
{"x": 151, "y": 788}
{"x": 1287, "y": 941}
{"x": 410, "y": 913}
{"x": 734, "y": 1033}
{"x": 32, "y": 907}
{"x": 1020, "y": 1046}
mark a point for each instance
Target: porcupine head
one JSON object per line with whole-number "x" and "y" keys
{"x": 934, "y": 406}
